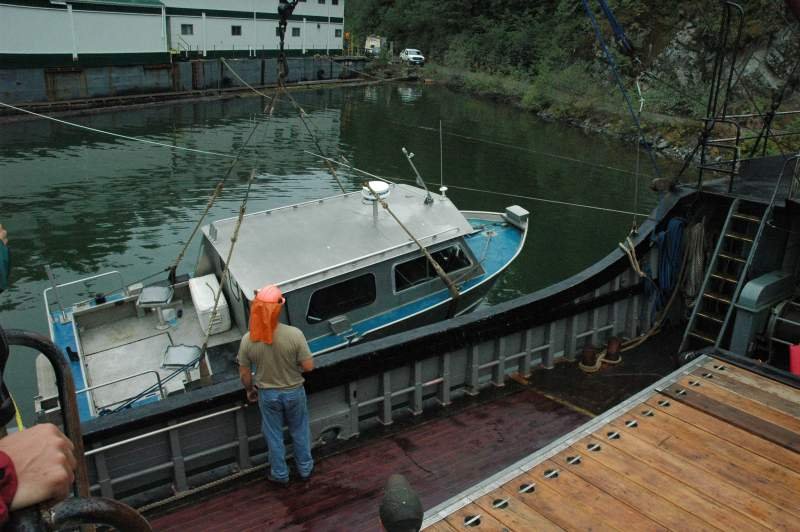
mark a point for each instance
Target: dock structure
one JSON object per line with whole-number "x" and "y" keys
{"x": 715, "y": 445}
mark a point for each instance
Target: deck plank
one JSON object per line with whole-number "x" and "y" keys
{"x": 748, "y": 377}
{"x": 564, "y": 511}
{"x": 441, "y": 526}
{"x": 762, "y": 447}
{"x": 601, "y": 505}
{"x": 473, "y": 517}
{"x": 637, "y": 496}
{"x": 515, "y": 514}
{"x": 711, "y": 390}
{"x": 740, "y": 468}
{"x": 710, "y": 474}
{"x": 749, "y": 391}
{"x": 736, "y": 417}
{"x": 685, "y": 496}
{"x": 440, "y": 458}
{"x": 730, "y": 495}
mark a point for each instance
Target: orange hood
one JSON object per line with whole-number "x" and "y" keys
{"x": 264, "y": 312}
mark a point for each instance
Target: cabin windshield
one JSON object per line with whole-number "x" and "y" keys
{"x": 420, "y": 270}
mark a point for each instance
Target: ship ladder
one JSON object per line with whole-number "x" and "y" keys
{"x": 726, "y": 274}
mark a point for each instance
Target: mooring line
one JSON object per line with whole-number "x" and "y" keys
{"x": 118, "y": 135}
{"x": 484, "y": 191}
{"x": 528, "y": 150}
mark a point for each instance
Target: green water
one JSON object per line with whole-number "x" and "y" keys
{"x": 85, "y": 203}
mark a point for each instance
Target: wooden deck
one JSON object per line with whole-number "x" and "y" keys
{"x": 711, "y": 447}
{"x": 440, "y": 458}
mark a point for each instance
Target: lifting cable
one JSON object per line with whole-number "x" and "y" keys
{"x": 618, "y": 79}
{"x": 118, "y": 135}
{"x": 284, "y": 12}
{"x": 484, "y": 191}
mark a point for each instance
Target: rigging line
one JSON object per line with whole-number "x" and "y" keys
{"x": 618, "y": 79}
{"x": 118, "y": 135}
{"x": 527, "y": 150}
{"x": 218, "y": 189}
{"x": 225, "y": 274}
{"x": 507, "y": 194}
{"x": 302, "y": 113}
{"x": 237, "y": 76}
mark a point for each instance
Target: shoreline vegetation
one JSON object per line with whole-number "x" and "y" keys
{"x": 543, "y": 57}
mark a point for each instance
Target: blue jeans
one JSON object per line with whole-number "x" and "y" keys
{"x": 289, "y": 407}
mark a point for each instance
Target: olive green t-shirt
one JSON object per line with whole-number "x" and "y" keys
{"x": 276, "y": 365}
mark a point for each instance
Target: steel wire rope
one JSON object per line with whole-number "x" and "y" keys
{"x": 485, "y": 191}
{"x": 618, "y": 79}
{"x": 527, "y": 150}
{"x": 218, "y": 190}
{"x": 118, "y": 135}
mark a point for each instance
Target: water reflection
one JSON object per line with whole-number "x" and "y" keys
{"x": 85, "y": 203}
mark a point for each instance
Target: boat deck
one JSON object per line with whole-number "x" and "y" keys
{"x": 440, "y": 457}
{"x": 712, "y": 446}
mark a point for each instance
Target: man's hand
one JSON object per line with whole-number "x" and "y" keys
{"x": 3, "y": 235}
{"x": 45, "y": 464}
{"x": 252, "y": 395}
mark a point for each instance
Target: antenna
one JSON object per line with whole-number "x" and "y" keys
{"x": 442, "y": 188}
{"x": 420, "y": 182}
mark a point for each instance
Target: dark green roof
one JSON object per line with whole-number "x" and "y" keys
{"x": 134, "y": 3}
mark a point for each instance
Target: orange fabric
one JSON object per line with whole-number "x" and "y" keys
{"x": 264, "y": 312}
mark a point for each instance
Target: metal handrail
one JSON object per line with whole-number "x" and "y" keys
{"x": 47, "y": 303}
{"x": 707, "y": 129}
{"x": 120, "y": 443}
{"x": 158, "y": 379}
{"x": 147, "y": 391}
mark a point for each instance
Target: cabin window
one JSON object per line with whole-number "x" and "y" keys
{"x": 341, "y": 298}
{"x": 236, "y": 31}
{"x": 187, "y": 29}
{"x": 420, "y": 270}
{"x": 295, "y": 32}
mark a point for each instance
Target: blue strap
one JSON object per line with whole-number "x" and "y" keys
{"x": 619, "y": 33}
{"x": 617, "y": 78}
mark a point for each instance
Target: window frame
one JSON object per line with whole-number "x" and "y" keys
{"x": 235, "y": 27}
{"x": 321, "y": 320}
{"x": 296, "y": 29}
{"x": 458, "y": 245}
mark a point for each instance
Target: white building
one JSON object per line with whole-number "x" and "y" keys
{"x": 113, "y": 32}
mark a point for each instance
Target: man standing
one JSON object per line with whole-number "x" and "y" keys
{"x": 279, "y": 355}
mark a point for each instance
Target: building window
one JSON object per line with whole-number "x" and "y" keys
{"x": 236, "y": 30}
{"x": 320, "y": 1}
{"x": 295, "y": 32}
{"x": 419, "y": 270}
{"x": 335, "y": 2}
{"x": 277, "y": 31}
{"x": 187, "y": 29}
{"x": 341, "y": 298}
{"x": 337, "y": 33}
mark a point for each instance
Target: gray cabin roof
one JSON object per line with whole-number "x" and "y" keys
{"x": 302, "y": 244}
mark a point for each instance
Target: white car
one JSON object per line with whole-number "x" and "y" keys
{"x": 412, "y": 56}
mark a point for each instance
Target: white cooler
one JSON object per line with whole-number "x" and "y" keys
{"x": 203, "y": 290}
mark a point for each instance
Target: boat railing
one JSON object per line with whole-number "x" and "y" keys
{"x": 159, "y": 384}
{"x": 156, "y": 432}
{"x": 56, "y": 287}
